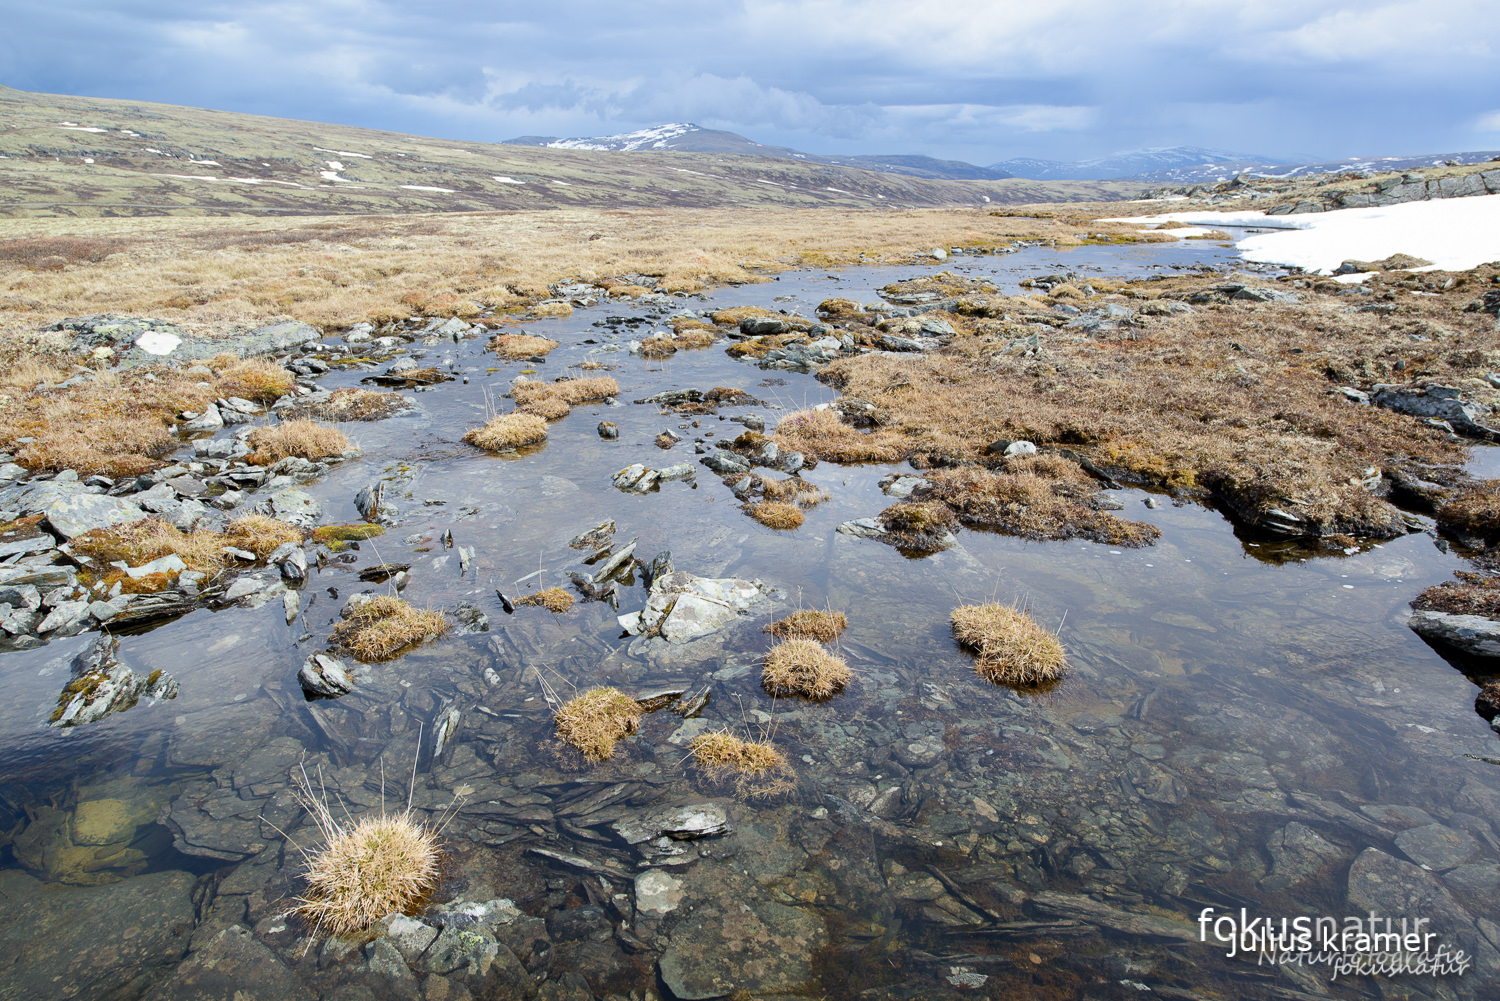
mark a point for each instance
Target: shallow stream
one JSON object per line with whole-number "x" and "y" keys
{"x": 1241, "y": 722}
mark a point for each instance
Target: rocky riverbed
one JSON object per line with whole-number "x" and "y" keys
{"x": 1248, "y": 721}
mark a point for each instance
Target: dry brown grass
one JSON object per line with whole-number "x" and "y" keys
{"x": 656, "y": 347}
{"x": 1471, "y": 594}
{"x": 508, "y": 431}
{"x": 824, "y": 435}
{"x": 257, "y": 379}
{"x": 1474, "y": 512}
{"x": 1010, "y": 647}
{"x": 140, "y": 542}
{"x": 1034, "y": 497}
{"x": 794, "y": 490}
{"x": 542, "y": 398}
{"x": 385, "y": 626}
{"x": 756, "y": 768}
{"x": 800, "y": 666}
{"x": 553, "y": 599}
{"x": 548, "y": 408}
{"x": 918, "y": 525}
{"x": 813, "y": 624}
{"x": 776, "y": 514}
{"x": 367, "y": 868}
{"x": 353, "y": 404}
{"x": 577, "y": 391}
{"x": 597, "y": 720}
{"x": 521, "y": 346}
{"x": 298, "y": 438}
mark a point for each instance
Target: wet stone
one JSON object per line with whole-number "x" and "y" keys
{"x": 587, "y": 921}
{"x": 1436, "y": 847}
{"x": 1297, "y": 852}
{"x": 752, "y": 946}
{"x": 680, "y": 823}
{"x": 232, "y": 965}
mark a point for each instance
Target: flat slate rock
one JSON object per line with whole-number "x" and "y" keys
{"x": 1436, "y": 847}
{"x": 137, "y": 341}
{"x": 62, "y": 942}
{"x": 74, "y": 515}
{"x": 725, "y": 946}
{"x": 232, "y": 965}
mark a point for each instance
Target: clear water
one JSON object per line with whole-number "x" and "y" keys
{"x": 1232, "y": 678}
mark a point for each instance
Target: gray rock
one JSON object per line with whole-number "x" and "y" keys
{"x": 684, "y": 607}
{"x": 403, "y": 364}
{"x": 410, "y": 936}
{"x": 233, "y": 964}
{"x": 1472, "y": 634}
{"x": 609, "y": 430}
{"x": 20, "y": 596}
{"x": 726, "y": 463}
{"x": 39, "y": 543}
{"x": 1438, "y": 402}
{"x": 680, "y": 823}
{"x": 64, "y": 615}
{"x": 657, "y": 893}
{"x": 1155, "y": 783}
{"x": 731, "y": 945}
{"x": 79, "y": 513}
{"x": 1436, "y": 847}
{"x": 862, "y": 528}
{"x": 325, "y": 675}
{"x": 100, "y": 684}
{"x": 1265, "y": 295}
{"x": 920, "y": 753}
{"x": 573, "y": 923}
{"x": 472, "y": 950}
{"x": 1386, "y": 885}
{"x": 760, "y": 326}
{"x": 1081, "y": 908}
{"x": 292, "y": 505}
{"x": 1297, "y": 852}
{"x": 208, "y": 420}
{"x": 387, "y": 963}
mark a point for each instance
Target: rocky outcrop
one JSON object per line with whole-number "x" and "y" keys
{"x": 684, "y": 607}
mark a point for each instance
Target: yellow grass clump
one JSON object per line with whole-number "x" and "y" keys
{"x": 757, "y": 769}
{"x": 258, "y": 379}
{"x": 384, "y": 626}
{"x": 508, "y": 431}
{"x": 548, "y": 408}
{"x": 776, "y": 514}
{"x": 800, "y": 666}
{"x": 812, "y": 624}
{"x": 366, "y": 869}
{"x": 520, "y": 346}
{"x": 553, "y": 599}
{"x": 303, "y": 439}
{"x": 823, "y": 434}
{"x": 1010, "y": 647}
{"x": 597, "y": 720}
{"x": 139, "y": 542}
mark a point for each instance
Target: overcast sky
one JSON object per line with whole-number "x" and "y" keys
{"x": 977, "y": 80}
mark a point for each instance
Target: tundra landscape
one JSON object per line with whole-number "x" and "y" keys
{"x": 663, "y": 566}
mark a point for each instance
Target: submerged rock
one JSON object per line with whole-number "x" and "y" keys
{"x": 760, "y": 947}
{"x": 683, "y": 607}
{"x": 326, "y": 676}
{"x": 101, "y": 685}
{"x": 680, "y": 823}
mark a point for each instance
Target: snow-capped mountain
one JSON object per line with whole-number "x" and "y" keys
{"x": 685, "y": 137}
{"x": 1130, "y": 163}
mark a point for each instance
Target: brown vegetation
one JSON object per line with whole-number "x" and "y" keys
{"x": 508, "y": 431}
{"x": 597, "y": 720}
{"x": 800, "y": 666}
{"x": 521, "y": 346}
{"x": 922, "y": 526}
{"x": 776, "y": 514}
{"x": 1474, "y": 512}
{"x": 384, "y": 626}
{"x": 548, "y": 408}
{"x": 352, "y": 404}
{"x": 1471, "y": 594}
{"x": 299, "y": 438}
{"x": 1034, "y": 497}
{"x": 1010, "y": 647}
{"x": 553, "y": 599}
{"x": 812, "y": 624}
{"x": 824, "y": 435}
{"x": 257, "y": 379}
{"x": 139, "y": 542}
{"x": 757, "y": 769}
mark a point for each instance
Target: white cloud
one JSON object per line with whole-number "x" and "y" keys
{"x": 1488, "y": 122}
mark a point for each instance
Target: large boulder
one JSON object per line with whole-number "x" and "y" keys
{"x": 683, "y": 607}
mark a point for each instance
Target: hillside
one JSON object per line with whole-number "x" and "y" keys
{"x": 78, "y": 156}
{"x": 686, "y": 137}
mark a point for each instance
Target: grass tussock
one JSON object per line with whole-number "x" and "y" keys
{"x": 776, "y": 514}
{"x": 508, "y": 431}
{"x": 548, "y": 408}
{"x": 597, "y": 720}
{"x": 1010, "y": 647}
{"x": 366, "y": 868}
{"x": 299, "y": 438}
{"x": 570, "y": 391}
{"x": 1034, "y": 497}
{"x": 824, "y": 435}
{"x": 756, "y": 768}
{"x": 553, "y": 599}
{"x": 1470, "y": 594}
{"x": 800, "y": 666}
{"x": 923, "y": 526}
{"x": 518, "y": 347}
{"x": 1474, "y": 511}
{"x": 384, "y": 626}
{"x": 139, "y": 542}
{"x": 258, "y": 379}
{"x": 792, "y": 490}
{"x": 813, "y": 624}
{"x": 353, "y": 404}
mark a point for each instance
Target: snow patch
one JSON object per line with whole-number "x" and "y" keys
{"x": 344, "y": 152}
{"x": 508, "y": 180}
{"x": 155, "y": 342}
{"x": 335, "y": 165}
{"x": 1454, "y": 233}
{"x": 655, "y": 138}
{"x": 423, "y": 187}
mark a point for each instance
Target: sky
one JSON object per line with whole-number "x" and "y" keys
{"x": 975, "y": 80}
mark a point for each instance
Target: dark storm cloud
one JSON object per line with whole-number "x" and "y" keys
{"x": 970, "y": 79}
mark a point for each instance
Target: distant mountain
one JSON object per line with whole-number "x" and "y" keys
{"x": 1131, "y": 163}
{"x": 1214, "y": 173}
{"x": 685, "y": 137}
